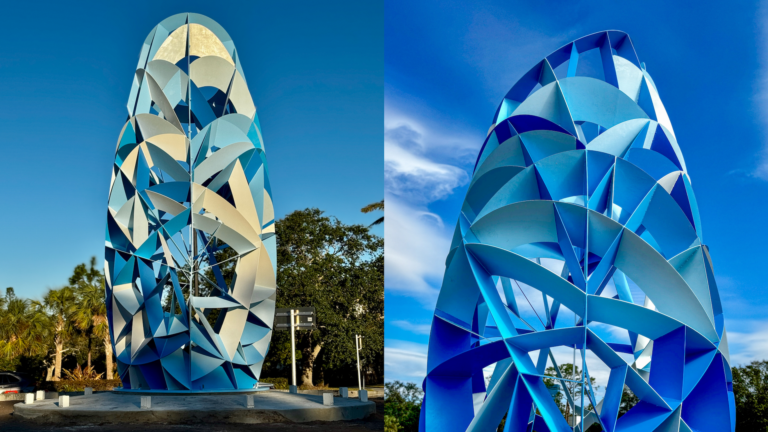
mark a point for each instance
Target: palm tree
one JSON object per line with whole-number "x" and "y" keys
{"x": 374, "y": 207}
{"x": 61, "y": 304}
{"x": 90, "y": 314}
{"x": 24, "y": 327}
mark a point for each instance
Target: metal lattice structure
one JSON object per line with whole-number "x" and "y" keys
{"x": 581, "y": 199}
{"x": 190, "y": 239}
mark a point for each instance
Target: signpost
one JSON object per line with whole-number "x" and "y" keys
{"x": 358, "y": 347}
{"x": 297, "y": 318}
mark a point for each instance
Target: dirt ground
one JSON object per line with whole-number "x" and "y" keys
{"x": 374, "y": 423}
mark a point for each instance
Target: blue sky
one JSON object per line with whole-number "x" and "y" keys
{"x": 315, "y": 72}
{"x": 449, "y": 63}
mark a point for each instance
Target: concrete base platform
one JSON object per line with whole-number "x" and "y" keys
{"x": 140, "y": 392}
{"x": 269, "y": 407}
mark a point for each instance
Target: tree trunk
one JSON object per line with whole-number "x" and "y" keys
{"x": 49, "y": 374}
{"x": 89, "y": 350}
{"x": 108, "y": 354}
{"x": 59, "y": 350}
{"x": 309, "y": 363}
{"x": 59, "y": 341}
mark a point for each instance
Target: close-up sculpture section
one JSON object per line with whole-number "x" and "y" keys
{"x": 190, "y": 238}
{"x": 580, "y": 241}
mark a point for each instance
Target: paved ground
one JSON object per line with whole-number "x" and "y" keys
{"x": 373, "y": 423}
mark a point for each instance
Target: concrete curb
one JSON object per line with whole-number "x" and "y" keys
{"x": 275, "y": 408}
{"x": 353, "y": 393}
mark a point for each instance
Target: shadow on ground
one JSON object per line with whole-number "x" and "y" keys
{"x": 373, "y": 423}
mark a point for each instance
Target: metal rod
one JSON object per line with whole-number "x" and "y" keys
{"x": 194, "y": 263}
{"x": 293, "y": 348}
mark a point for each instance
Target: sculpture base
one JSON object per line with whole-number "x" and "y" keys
{"x": 144, "y": 392}
{"x": 123, "y": 407}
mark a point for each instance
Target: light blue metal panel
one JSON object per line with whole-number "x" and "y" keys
{"x": 548, "y": 103}
{"x": 616, "y": 140}
{"x": 598, "y": 102}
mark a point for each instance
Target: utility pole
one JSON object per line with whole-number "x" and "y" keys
{"x": 293, "y": 346}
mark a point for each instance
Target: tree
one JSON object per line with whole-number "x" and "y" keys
{"x": 750, "y": 388}
{"x": 24, "y": 327}
{"x": 90, "y": 315}
{"x": 61, "y": 304}
{"x": 374, "y": 207}
{"x": 628, "y": 400}
{"x": 338, "y": 269}
{"x": 574, "y": 387}
{"x": 402, "y": 406}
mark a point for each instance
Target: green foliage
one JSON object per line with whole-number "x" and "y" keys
{"x": 750, "y": 388}
{"x": 90, "y": 313}
{"x": 280, "y": 383}
{"x": 628, "y": 400}
{"x": 391, "y": 424}
{"x": 374, "y": 207}
{"x": 25, "y": 328}
{"x": 402, "y": 403}
{"x": 67, "y": 385}
{"x": 338, "y": 269}
{"x": 68, "y": 318}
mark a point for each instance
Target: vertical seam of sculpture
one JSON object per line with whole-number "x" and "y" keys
{"x": 190, "y": 239}
{"x": 580, "y": 194}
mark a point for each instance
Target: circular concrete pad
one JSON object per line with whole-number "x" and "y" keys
{"x": 269, "y": 407}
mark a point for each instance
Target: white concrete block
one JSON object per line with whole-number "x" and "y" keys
{"x": 364, "y": 395}
{"x": 88, "y": 391}
{"x": 328, "y": 399}
{"x": 249, "y": 401}
{"x": 40, "y": 395}
{"x": 63, "y": 401}
{"x": 146, "y": 402}
{"x": 344, "y": 392}
{"x": 293, "y": 389}
{"x": 29, "y": 398}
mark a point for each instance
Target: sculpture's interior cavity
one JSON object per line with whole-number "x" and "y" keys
{"x": 190, "y": 239}
{"x": 580, "y": 239}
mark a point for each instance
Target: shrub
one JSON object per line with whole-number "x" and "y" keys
{"x": 280, "y": 383}
{"x": 391, "y": 424}
{"x": 80, "y": 385}
{"x": 80, "y": 374}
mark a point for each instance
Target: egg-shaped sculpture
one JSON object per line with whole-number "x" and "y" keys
{"x": 580, "y": 209}
{"x": 190, "y": 240}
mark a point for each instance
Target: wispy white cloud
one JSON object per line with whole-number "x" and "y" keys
{"x": 422, "y": 329}
{"x": 416, "y": 178}
{"x": 420, "y": 162}
{"x": 747, "y": 341}
{"x": 405, "y": 361}
{"x": 417, "y": 242}
{"x": 422, "y": 165}
{"x": 425, "y": 133}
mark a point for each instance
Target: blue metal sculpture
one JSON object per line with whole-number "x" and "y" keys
{"x": 190, "y": 239}
{"x": 581, "y": 196}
